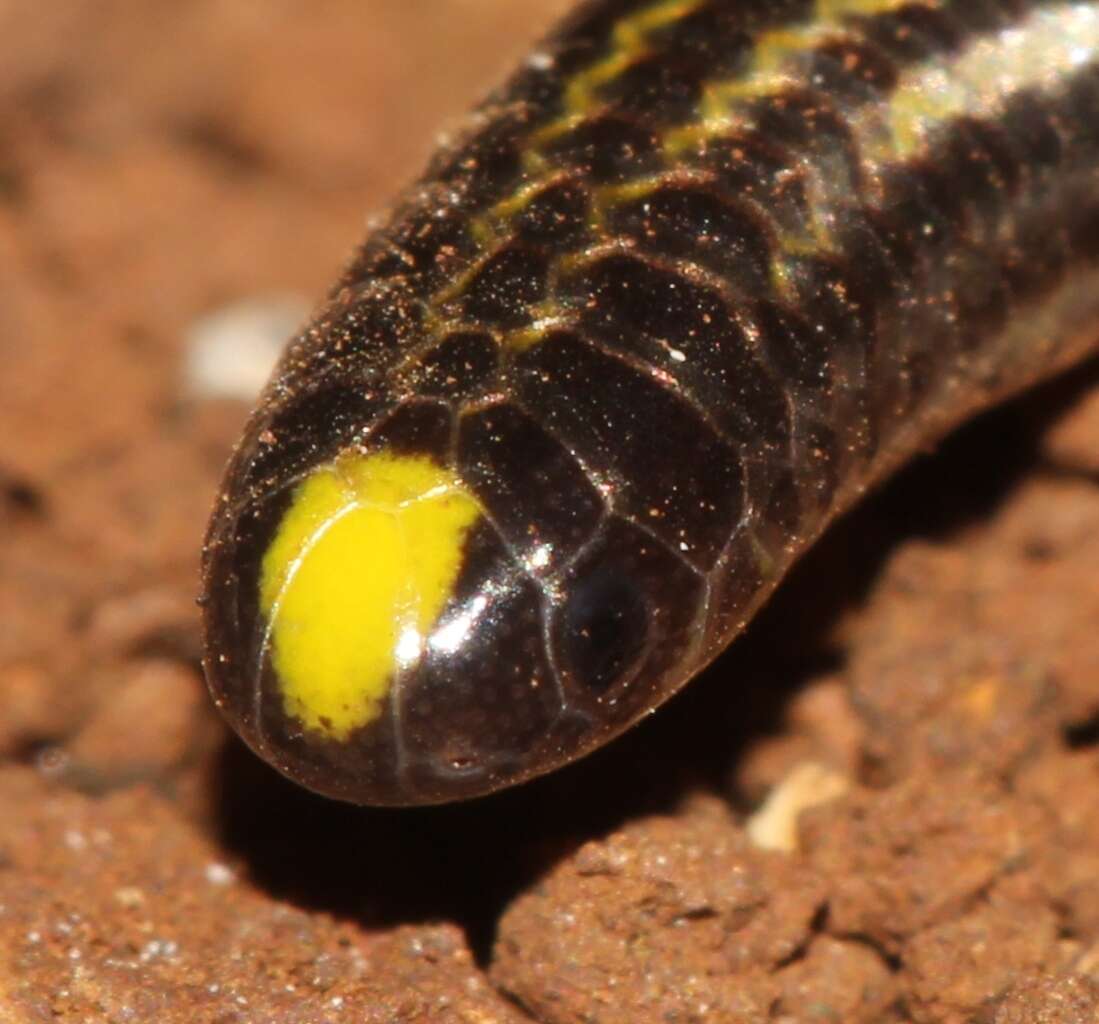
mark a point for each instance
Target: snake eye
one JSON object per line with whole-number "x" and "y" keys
{"x": 605, "y": 628}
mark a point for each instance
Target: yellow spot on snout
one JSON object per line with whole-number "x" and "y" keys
{"x": 354, "y": 580}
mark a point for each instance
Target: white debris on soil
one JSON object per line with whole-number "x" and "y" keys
{"x": 775, "y": 825}
{"x": 231, "y": 351}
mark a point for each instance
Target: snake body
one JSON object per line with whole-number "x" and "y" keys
{"x": 695, "y": 278}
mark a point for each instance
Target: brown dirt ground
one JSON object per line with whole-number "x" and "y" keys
{"x": 936, "y": 659}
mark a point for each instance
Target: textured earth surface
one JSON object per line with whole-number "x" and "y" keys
{"x": 882, "y": 806}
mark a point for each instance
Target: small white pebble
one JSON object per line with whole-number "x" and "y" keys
{"x": 155, "y": 949}
{"x": 75, "y": 840}
{"x": 775, "y": 825}
{"x": 219, "y": 874}
{"x": 540, "y": 60}
{"x": 129, "y": 896}
{"x": 231, "y": 352}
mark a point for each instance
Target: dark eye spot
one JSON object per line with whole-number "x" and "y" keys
{"x": 606, "y": 622}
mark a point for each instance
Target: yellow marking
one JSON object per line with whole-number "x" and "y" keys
{"x": 765, "y": 561}
{"x": 1032, "y": 52}
{"x": 353, "y": 582}
{"x": 545, "y": 317}
{"x": 606, "y": 197}
{"x": 721, "y": 113}
{"x": 629, "y": 43}
{"x": 782, "y": 278}
{"x": 518, "y": 200}
{"x": 772, "y": 53}
{"x": 524, "y": 338}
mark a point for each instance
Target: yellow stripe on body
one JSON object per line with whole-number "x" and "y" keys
{"x": 771, "y": 54}
{"x": 1037, "y": 49}
{"x": 353, "y": 581}
{"x": 722, "y": 113}
{"x": 1034, "y": 52}
{"x": 772, "y": 51}
{"x": 629, "y": 43}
